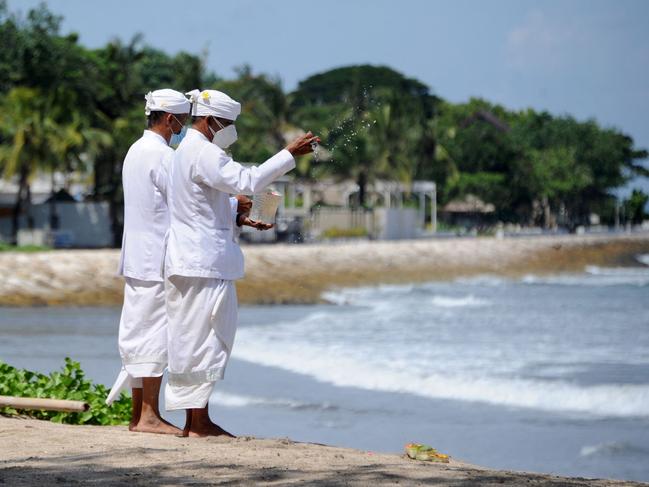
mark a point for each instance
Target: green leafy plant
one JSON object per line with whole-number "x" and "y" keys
{"x": 69, "y": 384}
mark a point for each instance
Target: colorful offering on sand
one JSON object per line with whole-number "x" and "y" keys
{"x": 425, "y": 453}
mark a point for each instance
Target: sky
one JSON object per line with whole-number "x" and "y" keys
{"x": 587, "y": 58}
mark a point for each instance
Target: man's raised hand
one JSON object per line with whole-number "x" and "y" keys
{"x": 302, "y": 145}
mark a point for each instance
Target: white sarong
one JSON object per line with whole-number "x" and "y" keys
{"x": 142, "y": 335}
{"x": 202, "y": 314}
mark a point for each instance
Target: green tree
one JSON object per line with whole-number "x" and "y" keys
{"x": 373, "y": 121}
{"x": 634, "y": 207}
{"x": 84, "y": 110}
{"x": 530, "y": 165}
{"x": 127, "y": 72}
{"x": 600, "y": 160}
{"x": 37, "y": 56}
{"x": 156, "y": 69}
{"x": 476, "y": 154}
{"x": 35, "y": 140}
{"x": 262, "y": 123}
{"x": 555, "y": 177}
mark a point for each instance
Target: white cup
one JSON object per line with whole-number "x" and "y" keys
{"x": 264, "y": 206}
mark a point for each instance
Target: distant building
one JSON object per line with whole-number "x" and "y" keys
{"x": 468, "y": 212}
{"x": 61, "y": 219}
{"x": 309, "y": 210}
{"x": 326, "y": 209}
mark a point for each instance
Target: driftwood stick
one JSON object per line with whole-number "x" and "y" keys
{"x": 46, "y": 404}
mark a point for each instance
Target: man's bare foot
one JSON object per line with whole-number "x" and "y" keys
{"x": 146, "y": 415}
{"x": 203, "y": 430}
{"x": 136, "y": 394}
{"x": 155, "y": 425}
{"x": 198, "y": 425}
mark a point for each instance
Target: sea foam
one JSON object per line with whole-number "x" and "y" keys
{"x": 595, "y": 276}
{"x": 459, "y": 302}
{"x": 612, "y": 448}
{"x": 335, "y": 364}
{"x": 231, "y": 400}
{"x": 497, "y": 343}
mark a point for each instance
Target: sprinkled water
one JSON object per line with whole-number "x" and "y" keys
{"x": 348, "y": 130}
{"x": 314, "y": 146}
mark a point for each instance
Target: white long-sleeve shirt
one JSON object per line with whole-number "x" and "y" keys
{"x": 146, "y": 214}
{"x": 201, "y": 234}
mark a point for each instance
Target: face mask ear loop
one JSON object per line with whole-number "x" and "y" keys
{"x": 178, "y": 122}
{"x": 217, "y": 121}
{"x": 209, "y": 127}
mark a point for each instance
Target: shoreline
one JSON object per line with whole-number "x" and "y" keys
{"x": 300, "y": 274}
{"x": 44, "y": 453}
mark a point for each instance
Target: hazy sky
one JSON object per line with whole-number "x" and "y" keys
{"x": 589, "y": 58}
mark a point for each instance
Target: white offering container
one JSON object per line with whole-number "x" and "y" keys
{"x": 264, "y": 206}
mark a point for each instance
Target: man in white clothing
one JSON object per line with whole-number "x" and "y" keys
{"x": 143, "y": 323}
{"x": 203, "y": 258}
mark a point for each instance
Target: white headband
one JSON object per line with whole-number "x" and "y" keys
{"x": 166, "y": 100}
{"x": 213, "y": 102}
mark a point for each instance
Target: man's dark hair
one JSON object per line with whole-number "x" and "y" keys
{"x": 154, "y": 118}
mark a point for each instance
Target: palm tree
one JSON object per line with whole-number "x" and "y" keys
{"x": 26, "y": 145}
{"x": 384, "y": 138}
{"x": 35, "y": 139}
{"x": 119, "y": 113}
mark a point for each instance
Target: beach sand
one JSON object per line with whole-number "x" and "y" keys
{"x": 278, "y": 274}
{"x": 39, "y": 453}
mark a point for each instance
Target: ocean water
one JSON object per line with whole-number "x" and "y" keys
{"x": 546, "y": 374}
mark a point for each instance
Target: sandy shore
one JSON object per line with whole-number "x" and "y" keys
{"x": 301, "y": 273}
{"x": 38, "y": 453}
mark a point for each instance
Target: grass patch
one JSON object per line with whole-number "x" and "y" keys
{"x": 4, "y": 247}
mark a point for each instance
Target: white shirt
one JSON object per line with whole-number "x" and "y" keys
{"x": 202, "y": 235}
{"x": 146, "y": 214}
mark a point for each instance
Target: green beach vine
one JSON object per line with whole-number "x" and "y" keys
{"x": 70, "y": 383}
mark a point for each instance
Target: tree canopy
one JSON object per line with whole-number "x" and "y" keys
{"x": 66, "y": 107}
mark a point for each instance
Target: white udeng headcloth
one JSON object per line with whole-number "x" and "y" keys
{"x": 166, "y": 100}
{"x": 212, "y": 102}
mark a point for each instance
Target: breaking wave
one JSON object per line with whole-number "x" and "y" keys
{"x": 613, "y": 448}
{"x": 239, "y": 400}
{"x": 337, "y": 365}
{"x": 459, "y": 302}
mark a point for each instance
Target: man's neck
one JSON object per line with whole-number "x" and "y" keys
{"x": 162, "y": 132}
{"x": 203, "y": 128}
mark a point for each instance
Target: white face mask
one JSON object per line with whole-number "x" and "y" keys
{"x": 225, "y": 137}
